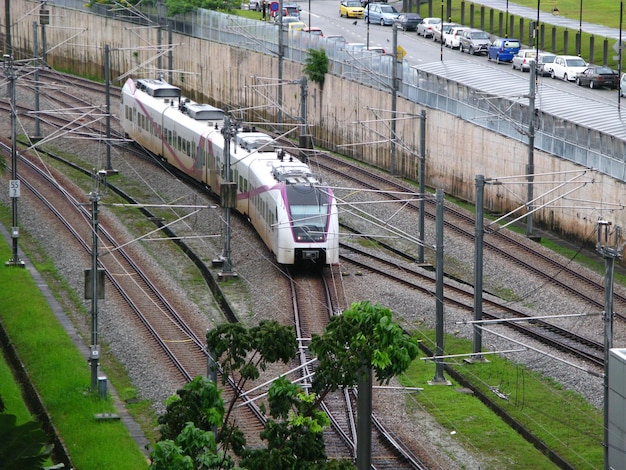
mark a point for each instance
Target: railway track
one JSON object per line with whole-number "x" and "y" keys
{"x": 313, "y": 306}
{"x": 344, "y": 169}
{"x": 168, "y": 328}
{"x": 500, "y": 242}
{"x": 462, "y": 297}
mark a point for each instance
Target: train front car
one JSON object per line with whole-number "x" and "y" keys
{"x": 308, "y": 227}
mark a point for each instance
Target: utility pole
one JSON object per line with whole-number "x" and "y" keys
{"x": 14, "y": 184}
{"x": 422, "y": 184}
{"x": 530, "y": 169}
{"x": 609, "y": 252}
{"x": 281, "y": 59}
{"x": 394, "y": 97}
{"x": 439, "y": 378}
{"x": 479, "y": 231}
{"x": 37, "y": 135}
{"x": 94, "y": 286}
{"x": 107, "y": 79}
{"x": 228, "y": 193}
{"x": 7, "y": 35}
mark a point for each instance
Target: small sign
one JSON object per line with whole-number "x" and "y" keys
{"x": 616, "y": 46}
{"x": 401, "y": 53}
{"x": 274, "y": 6}
{"x": 14, "y": 188}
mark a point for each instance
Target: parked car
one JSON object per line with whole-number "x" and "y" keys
{"x": 452, "y": 38}
{"x": 287, "y": 20}
{"x": 351, "y": 9}
{"x": 380, "y": 13}
{"x": 622, "y": 85}
{"x": 440, "y": 29}
{"x": 523, "y": 58}
{"x": 336, "y": 38}
{"x": 408, "y": 21}
{"x": 474, "y": 41}
{"x": 317, "y": 31}
{"x": 567, "y": 67}
{"x": 425, "y": 28}
{"x": 544, "y": 65}
{"x": 355, "y": 46}
{"x": 598, "y": 76}
{"x": 377, "y": 49}
{"x": 296, "y": 26}
{"x": 503, "y": 49}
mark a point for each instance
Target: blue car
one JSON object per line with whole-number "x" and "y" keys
{"x": 503, "y": 50}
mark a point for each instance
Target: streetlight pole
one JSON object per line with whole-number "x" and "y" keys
{"x": 579, "y": 42}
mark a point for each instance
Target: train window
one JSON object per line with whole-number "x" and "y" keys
{"x": 240, "y": 180}
{"x": 178, "y": 143}
{"x": 188, "y": 148}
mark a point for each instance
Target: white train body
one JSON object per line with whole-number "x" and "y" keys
{"x": 295, "y": 215}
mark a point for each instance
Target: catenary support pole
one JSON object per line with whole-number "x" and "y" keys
{"x": 530, "y": 169}
{"x": 37, "y": 135}
{"x": 439, "y": 326}
{"x": 364, "y": 421}
{"x": 422, "y": 185}
{"x": 394, "y": 97}
{"x": 479, "y": 231}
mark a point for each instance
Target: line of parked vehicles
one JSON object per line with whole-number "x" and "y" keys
{"x": 475, "y": 41}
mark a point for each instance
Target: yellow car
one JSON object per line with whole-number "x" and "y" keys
{"x": 351, "y": 9}
{"x": 297, "y": 26}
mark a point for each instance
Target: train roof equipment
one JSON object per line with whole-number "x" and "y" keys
{"x": 158, "y": 88}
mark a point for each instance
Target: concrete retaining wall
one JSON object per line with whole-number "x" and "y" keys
{"x": 340, "y": 115}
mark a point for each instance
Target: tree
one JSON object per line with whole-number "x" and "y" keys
{"x": 363, "y": 336}
{"x": 316, "y": 66}
{"x": 23, "y": 447}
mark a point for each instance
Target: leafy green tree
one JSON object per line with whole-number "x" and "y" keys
{"x": 363, "y": 336}
{"x": 23, "y": 447}
{"x": 316, "y": 65}
{"x": 198, "y": 402}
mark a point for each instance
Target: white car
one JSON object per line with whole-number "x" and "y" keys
{"x": 452, "y": 37}
{"x": 425, "y": 28}
{"x": 622, "y": 85}
{"x": 566, "y": 67}
{"x": 523, "y": 59}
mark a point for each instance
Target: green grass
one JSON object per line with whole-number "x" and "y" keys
{"x": 562, "y": 419}
{"x": 61, "y": 376}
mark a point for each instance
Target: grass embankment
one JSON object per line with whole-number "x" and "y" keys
{"x": 62, "y": 377}
{"x": 562, "y": 419}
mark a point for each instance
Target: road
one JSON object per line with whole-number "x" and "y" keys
{"x": 325, "y": 14}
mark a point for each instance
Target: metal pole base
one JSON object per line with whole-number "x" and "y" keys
{"x": 15, "y": 263}
{"x": 439, "y": 382}
{"x": 478, "y": 359}
{"x": 226, "y": 276}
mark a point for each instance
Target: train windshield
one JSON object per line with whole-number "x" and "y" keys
{"x": 308, "y": 207}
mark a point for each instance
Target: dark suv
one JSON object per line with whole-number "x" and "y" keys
{"x": 474, "y": 41}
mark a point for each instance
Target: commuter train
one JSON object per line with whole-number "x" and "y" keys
{"x": 289, "y": 207}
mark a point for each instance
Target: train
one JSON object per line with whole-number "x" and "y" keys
{"x": 291, "y": 209}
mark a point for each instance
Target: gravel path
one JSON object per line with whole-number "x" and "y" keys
{"x": 257, "y": 294}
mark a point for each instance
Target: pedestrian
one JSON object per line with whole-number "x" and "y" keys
{"x": 264, "y": 7}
